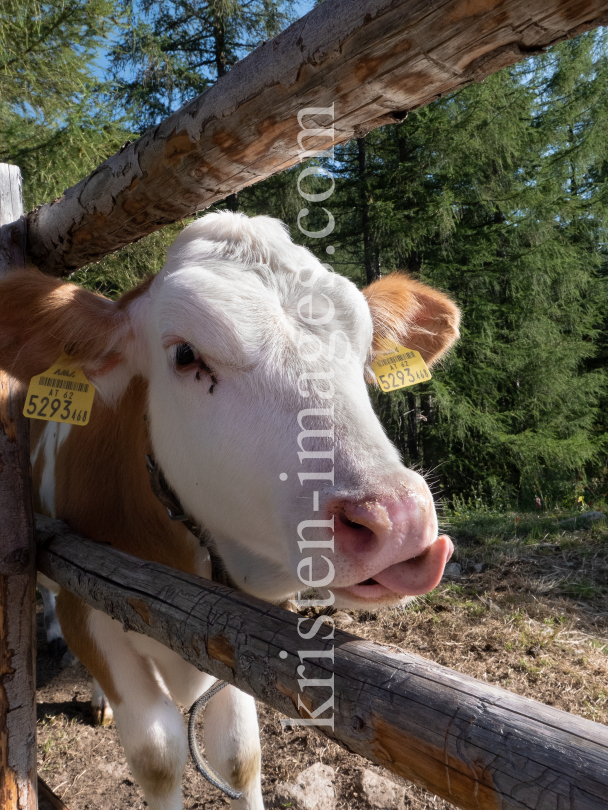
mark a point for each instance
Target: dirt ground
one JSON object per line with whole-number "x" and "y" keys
{"x": 529, "y": 614}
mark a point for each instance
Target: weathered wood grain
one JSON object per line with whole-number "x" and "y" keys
{"x": 17, "y": 551}
{"x": 374, "y": 60}
{"x": 476, "y": 745}
{"x": 47, "y": 800}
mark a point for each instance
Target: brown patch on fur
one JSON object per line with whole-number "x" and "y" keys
{"x": 102, "y": 488}
{"x": 410, "y": 313}
{"x": 125, "y": 300}
{"x": 8, "y": 426}
{"x": 37, "y": 427}
{"x": 40, "y": 316}
{"x": 157, "y": 773}
{"x": 245, "y": 772}
{"x": 73, "y": 616}
{"x": 221, "y": 649}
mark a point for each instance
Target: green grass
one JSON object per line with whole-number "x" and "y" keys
{"x": 488, "y": 528}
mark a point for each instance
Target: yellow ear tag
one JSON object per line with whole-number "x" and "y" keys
{"x": 399, "y": 368}
{"x": 60, "y": 394}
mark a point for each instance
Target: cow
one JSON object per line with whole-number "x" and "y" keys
{"x": 242, "y": 370}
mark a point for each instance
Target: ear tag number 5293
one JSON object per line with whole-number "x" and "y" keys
{"x": 400, "y": 368}
{"x": 60, "y": 394}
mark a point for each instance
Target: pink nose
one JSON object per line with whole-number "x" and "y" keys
{"x": 392, "y": 543}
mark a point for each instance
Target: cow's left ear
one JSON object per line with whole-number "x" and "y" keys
{"x": 42, "y": 317}
{"x": 412, "y": 314}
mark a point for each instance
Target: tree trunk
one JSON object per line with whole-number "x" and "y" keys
{"x": 412, "y": 427}
{"x": 368, "y": 248}
{"x": 219, "y": 43}
{"x": 17, "y": 550}
{"x": 373, "y": 60}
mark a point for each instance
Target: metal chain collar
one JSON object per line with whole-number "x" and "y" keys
{"x": 175, "y": 510}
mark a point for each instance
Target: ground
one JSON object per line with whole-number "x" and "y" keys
{"x": 527, "y": 611}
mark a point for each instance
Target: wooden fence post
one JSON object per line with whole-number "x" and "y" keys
{"x": 17, "y": 550}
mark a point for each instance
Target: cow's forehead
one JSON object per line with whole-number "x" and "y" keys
{"x": 239, "y": 284}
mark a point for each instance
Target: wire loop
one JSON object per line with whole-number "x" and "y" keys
{"x": 201, "y": 763}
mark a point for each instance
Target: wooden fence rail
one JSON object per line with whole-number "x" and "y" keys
{"x": 476, "y": 745}
{"x": 370, "y": 61}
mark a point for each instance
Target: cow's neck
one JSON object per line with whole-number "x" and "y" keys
{"x": 176, "y": 512}
{"x": 101, "y": 484}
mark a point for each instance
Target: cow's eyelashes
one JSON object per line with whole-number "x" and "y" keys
{"x": 184, "y": 355}
{"x": 186, "y": 358}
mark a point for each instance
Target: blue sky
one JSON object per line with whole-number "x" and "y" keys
{"x": 301, "y": 7}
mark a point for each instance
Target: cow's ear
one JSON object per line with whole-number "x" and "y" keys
{"x": 412, "y": 314}
{"x": 42, "y": 317}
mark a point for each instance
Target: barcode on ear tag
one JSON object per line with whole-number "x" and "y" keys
{"x": 399, "y": 368}
{"x": 60, "y": 394}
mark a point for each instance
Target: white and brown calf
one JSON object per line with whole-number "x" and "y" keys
{"x": 216, "y": 367}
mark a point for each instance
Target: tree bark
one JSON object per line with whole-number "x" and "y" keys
{"x": 413, "y": 419}
{"x": 476, "y": 745}
{"x": 368, "y": 249}
{"x": 373, "y": 60}
{"x": 17, "y": 550}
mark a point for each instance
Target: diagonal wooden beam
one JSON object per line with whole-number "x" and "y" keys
{"x": 373, "y": 60}
{"x": 475, "y": 744}
{"x": 47, "y": 800}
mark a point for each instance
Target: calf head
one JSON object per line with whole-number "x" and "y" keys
{"x": 256, "y": 358}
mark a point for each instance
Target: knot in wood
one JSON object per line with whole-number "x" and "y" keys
{"x": 357, "y": 723}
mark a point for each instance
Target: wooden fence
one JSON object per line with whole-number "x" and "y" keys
{"x": 369, "y": 62}
{"x": 476, "y": 745}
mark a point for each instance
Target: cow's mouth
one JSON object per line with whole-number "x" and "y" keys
{"x": 366, "y": 592}
{"x": 412, "y": 577}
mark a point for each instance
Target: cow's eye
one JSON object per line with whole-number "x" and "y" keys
{"x": 184, "y": 355}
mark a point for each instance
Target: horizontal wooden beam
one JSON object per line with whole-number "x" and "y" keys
{"x": 371, "y": 61}
{"x": 476, "y": 745}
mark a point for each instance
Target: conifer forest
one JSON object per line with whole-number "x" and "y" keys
{"x": 497, "y": 195}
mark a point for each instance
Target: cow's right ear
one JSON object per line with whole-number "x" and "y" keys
{"x": 41, "y": 317}
{"x": 412, "y": 314}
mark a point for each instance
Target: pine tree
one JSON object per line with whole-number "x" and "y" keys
{"x": 173, "y": 50}
{"x": 52, "y": 122}
{"x": 497, "y": 195}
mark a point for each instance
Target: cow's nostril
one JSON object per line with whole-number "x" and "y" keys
{"x": 358, "y": 536}
{"x": 351, "y": 523}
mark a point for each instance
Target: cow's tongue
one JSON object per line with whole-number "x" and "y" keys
{"x": 420, "y": 574}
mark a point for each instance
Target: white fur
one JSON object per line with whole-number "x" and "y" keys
{"x": 51, "y": 439}
{"x": 232, "y": 288}
{"x": 51, "y": 623}
{"x": 152, "y": 681}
